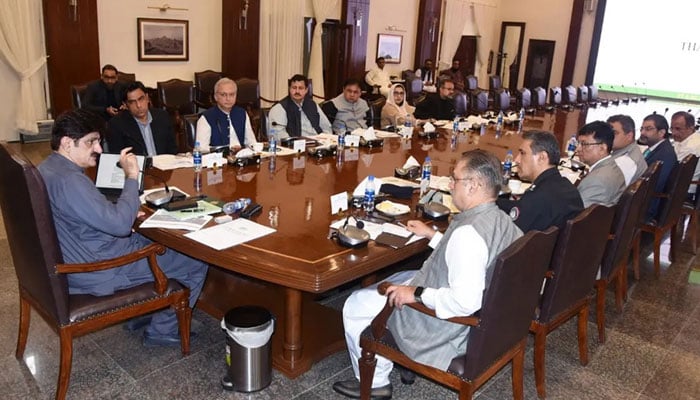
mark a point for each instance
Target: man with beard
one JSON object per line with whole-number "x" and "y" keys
{"x": 654, "y": 131}
{"x": 297, "y": 114}
{"x": 455, "y": 74}
{"x": 104, "y": 96}
{"x": 439, "y": 105}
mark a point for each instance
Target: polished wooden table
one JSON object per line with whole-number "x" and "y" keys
{"x": 284, "y": 271}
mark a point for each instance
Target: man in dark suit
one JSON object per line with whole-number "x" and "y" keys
{"x": 104, "y": 96}
{"x": 654, "y": 133}
{"x": 149, "y": 131}
{"x": 440, "y": 105}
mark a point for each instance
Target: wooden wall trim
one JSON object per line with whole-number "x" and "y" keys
{"x": 567, "y": 75}
{"x": 595, "y": 41}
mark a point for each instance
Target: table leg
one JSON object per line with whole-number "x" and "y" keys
{"x": 292, "y": 331}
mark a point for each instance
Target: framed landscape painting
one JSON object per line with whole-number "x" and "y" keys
{"x": 389, "y": 47}
{"x": 163, "y": 39}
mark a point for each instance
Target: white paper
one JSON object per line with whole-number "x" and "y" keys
{"x": 167, "y": 162}
{"x": 230, "y": 234}
{"x": 428, "y": 127}
{"x": 396, "y": 230}
{"x": 299, "y": 146}
{"x": 352, "y": 140}
{"x": 339, "y": 202}
{"x": 386, "y": 134}
{"x": 164, "y": 219}
{"x": 208, "y": 160}
{"x": 112, "y": 177}
{"x": 411, "y": 162}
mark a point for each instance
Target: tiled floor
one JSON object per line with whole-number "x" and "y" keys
{"x": 652, "y": 352}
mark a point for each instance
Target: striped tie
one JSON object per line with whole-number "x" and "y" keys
{"x": 646, "y": 153}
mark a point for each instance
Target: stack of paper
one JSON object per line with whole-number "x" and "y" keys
{"x": 230, "y": 234}
{"x": 164, "y": 219}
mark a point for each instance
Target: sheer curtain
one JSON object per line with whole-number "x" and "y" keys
{"x": 322, "y": 10}
{"x": 484, "y": 19}
{"x": 455, "y": 21}
{"x": 281, "y": 45}
{"x": 22, "y": 48}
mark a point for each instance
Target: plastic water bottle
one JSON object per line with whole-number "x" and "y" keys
{"x": 507, "y": 166}
{"x": 369, "y": 194}
{"x": 455, "y": 125}
{"x": 408, "y": 125}
{"x": 521, "y": 119}
{"x": 341, "y": 141}
{"x": 482, "y": 130}
{"x": 426, "y": 170}
{"x": 272, "y": 140}
{"x": 236, "y": 206}
{"x": 571, "y": 146}
{"x": 499, "y": 123}
{"x": 197, "y": 157}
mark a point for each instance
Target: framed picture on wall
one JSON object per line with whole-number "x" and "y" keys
{"x": 389, "y": 47}
{"x": 163, "y": 39}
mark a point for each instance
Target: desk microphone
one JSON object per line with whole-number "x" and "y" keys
{"x": 159, "y": 197}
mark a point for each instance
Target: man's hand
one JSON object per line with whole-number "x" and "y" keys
{"x": 129, "y": 163}
{"x": 420, "y": 228}
{"x": 400, "y": 295}
{"x": 112, "y": 111}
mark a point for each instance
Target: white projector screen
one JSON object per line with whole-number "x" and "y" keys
{"x": 650, "y": 47}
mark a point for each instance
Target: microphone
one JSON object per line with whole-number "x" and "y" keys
{"x": 159, "y": 197}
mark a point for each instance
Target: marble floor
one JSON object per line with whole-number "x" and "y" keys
{"x": 652, "y": 352}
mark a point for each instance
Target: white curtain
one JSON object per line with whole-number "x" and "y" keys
{"x": 281, "y": 45}
{"x": 322, "y": 10}
{"x": 456, "y": 12}
{"x": 22, "y": 48}
{"x": 484, "y": 20}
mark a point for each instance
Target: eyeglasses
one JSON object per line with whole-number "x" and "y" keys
{"x": 584, "y": 144}
{"x": 648, "y": 128}
{"x": 453, "y": 179}
{"x": 226, "y": 95}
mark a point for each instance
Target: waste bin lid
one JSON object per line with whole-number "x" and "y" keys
{"x": 247, "y": 317}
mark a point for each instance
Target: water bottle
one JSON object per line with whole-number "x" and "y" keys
{"x": 369, "y": 194}
{"x": 236, "y": 206}
{"x": 341, "y": 141}
{"x": 426, "y": 170}
{"x": 571, "y": 146}
{"x": 197, "y": 157}
{"x": 499, "y": 123}
{"x": 482, "y": 130}
{"x": 455, "y": 125}
{"x": 521, "y": 119}
{"x": 272, "y": 140}
{"x": 507, "y": 166}
{"x": 408, "y": 125}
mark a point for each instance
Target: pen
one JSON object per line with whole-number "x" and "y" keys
{"x": 401, "y": 224}
{"x": 192, "y": 210}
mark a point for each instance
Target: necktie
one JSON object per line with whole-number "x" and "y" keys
{"x": 646, "y": 153}
{"x": 228, "y": 127}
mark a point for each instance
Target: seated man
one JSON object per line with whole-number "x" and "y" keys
{"x": 604, "y": 182}
{"x": 427, "y": 74}
{"x": 148, "y": 131}
{"x": 224, "y": 124}
{"x": 104, "y": 96}
{"x": 439, "y": 105}
{"x": 452, "y": 280}
{"x": 625, "y": 150}
{"x": 455, "y": 74}
{"x": 297, "y": 114}
{"x": 552, "y": 199}
{"x": 90, "y": 228}
{"x": 396, "y": 110}
{"x": 686, "y": 141}
{"x": 379, "y": 78}
{"x": 347, "y": 110}
{"x": 654, "y": 132}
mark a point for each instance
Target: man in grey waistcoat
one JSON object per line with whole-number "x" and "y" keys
{"x": 451, "y": 281}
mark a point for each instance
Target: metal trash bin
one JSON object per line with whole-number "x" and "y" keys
{"x": 248, "y": 348}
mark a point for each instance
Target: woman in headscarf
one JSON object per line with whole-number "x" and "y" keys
{"x": 396, "y": 108}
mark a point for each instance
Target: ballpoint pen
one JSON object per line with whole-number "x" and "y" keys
{"x": 192, "y": 210}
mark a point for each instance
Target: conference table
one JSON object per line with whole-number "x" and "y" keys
{"x": 287, "y": 270}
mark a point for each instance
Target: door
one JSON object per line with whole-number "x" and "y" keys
{"x": 539, "y": 63}
{"x": 466, "y": 54}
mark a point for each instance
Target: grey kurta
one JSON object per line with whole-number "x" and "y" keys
{"x": 433, "y": 341}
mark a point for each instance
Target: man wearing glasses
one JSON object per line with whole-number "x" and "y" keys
{"x": 605, "y": 182}
{"x": 104, "y": 96}
{"x": 439, "y": 105}
{"x": 225, "y": 124}
{"x": 686, "y": 141}
{"x": 654, "y": 132}
{"x": 625, "y": 150}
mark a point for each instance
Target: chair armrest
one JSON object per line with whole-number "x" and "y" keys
{"x": 470, "y": 320}
{"x": 150, "y": 251}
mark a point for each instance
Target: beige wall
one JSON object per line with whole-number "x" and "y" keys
{"x": 402, "y": 16}
{"x": 116, "y": 21}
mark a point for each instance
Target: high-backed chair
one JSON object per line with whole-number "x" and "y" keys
{"x": 494, "y": 83}
{"x": 614, "y": 264}
{"x": 539, "y": 97}
{"x": 77, "y": 95}
{"x": 524, "y": 98}
{"x": 328, "y": 109}
{"x": 569, "y": 95}
{"x": 249, "y": 98}
{"x": 481, "y": 102}
{"x": 41, "y": 273}
{"x": 190, "y": 121}
{"x": 461, "y": 103}
{"x": 176, "y": 96}
{"x": 471, "y": 83}
{"x": 651, "y": 175}
{"x": 670, "y": 209}
{"x": 592, "y": 93}
{"x": 555, "y": 96}
{"x": 567, "y": 290}
{"x": 204, "y": 82}
{"x": 376, "y": 106}
{"x": 413, "y": 86}
{"x": 501, "y": 100}
{"x": 582, "y": 94}
{"x": 497, "y": 335}
{"x": 126, "y": 77}
{"x": 692, "y": 210}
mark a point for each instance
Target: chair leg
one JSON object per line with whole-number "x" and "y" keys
{"x": 620, "y": 289}
{"x": 466, "y": 392}
{"x": 540, "y": 343}
{"x": 583, "y": 335}
{"x": 368, "y": 363}
{"x": 636, "y": 244}
{"x": 23, "y": 330}
{"x": 693, "y": 230}
{"x": 674, "y": 244}
{"x": 184, "y": 319}
{"x": 66, "y": 339}
{"x": 657, "y": 253}
{"x": 518, "y": 367}
{"x": 600, "y": 287}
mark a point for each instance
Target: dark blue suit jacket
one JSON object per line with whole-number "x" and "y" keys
{"x": 123, "y": 131}
{"x": 663, "y": 152}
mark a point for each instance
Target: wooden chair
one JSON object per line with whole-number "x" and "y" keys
{"x": 651, "y": 175}
{"x": 617, "y": 251}
{"x": 567, "y": 290}
{"x": 204, "y": 82}
{"x": 670, "y": 209}
{"x": 190, "y": 121}
{"x": 41, "y": 273}
{"x": 177, "y": 98}
{"x": 249, "y": 99}
{"x": 77, "y": 95}
{"x": 376, "y": 106}
{"x": 497, "y": 333}
{"x": 126, "y": 77}
{"x": 692, "y": 210}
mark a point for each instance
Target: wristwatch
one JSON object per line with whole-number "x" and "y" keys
{"x": 417, "y": 293}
